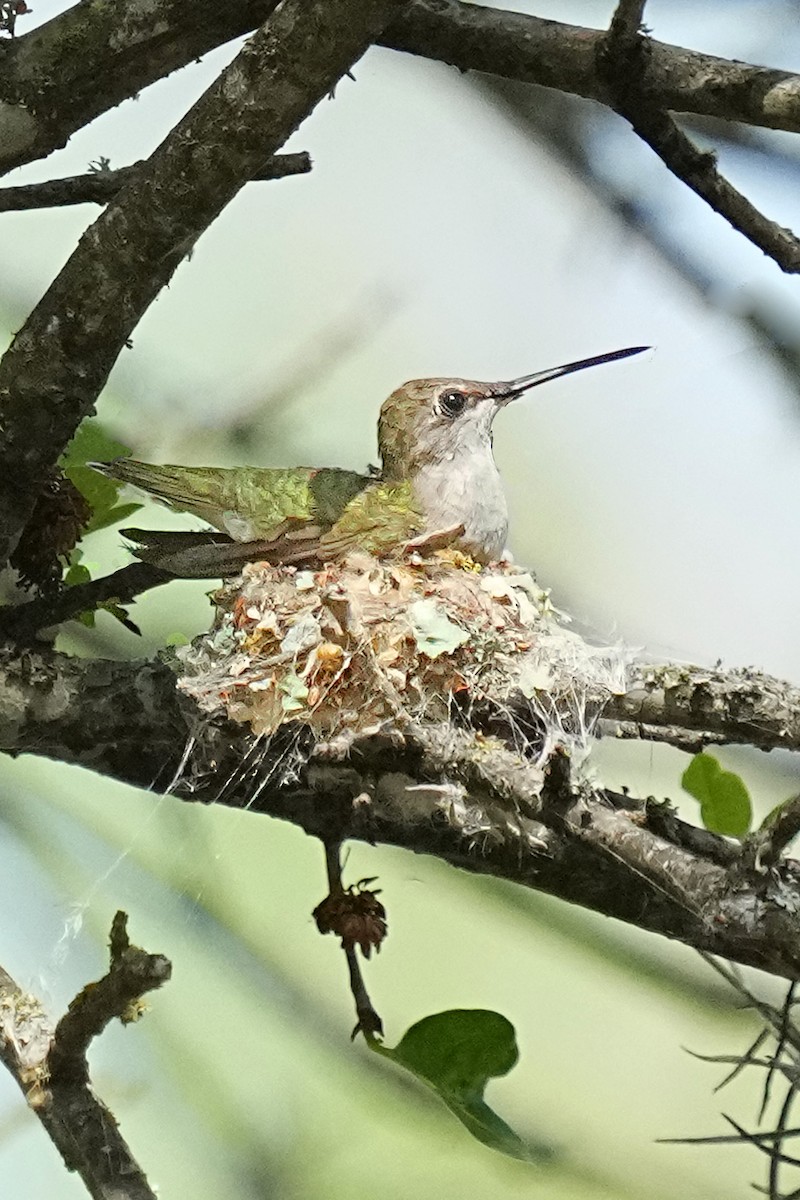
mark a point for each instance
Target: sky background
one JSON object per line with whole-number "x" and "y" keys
{"x": 657, "y": 498}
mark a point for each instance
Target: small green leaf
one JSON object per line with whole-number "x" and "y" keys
{"x": 92, "y": 443}
{"x": 456, "y": 1053}
{"x": 102, "y": 519}
{"x": 77, "y": 573}
{"x": 177, "y": 639}
{"x": 724, "y": 800}
{"x": 433, "y": 630}
{"x": 295, "y": 692}
{"x": 119, "y": 613}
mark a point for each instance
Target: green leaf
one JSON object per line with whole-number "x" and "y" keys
{"x": 295, "y": 692}
{"x": 724, "y": 800}
{"x": 77, "y": 573}
{"x": 92, "y": 443}
{"x": 456, "y": 1053}
{"x": 101, "y": 519}
{"x": 433, "y": 630}
{"x": 177, "y": 639}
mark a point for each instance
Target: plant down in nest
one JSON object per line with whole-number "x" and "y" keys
{"x": 364, "y": 641}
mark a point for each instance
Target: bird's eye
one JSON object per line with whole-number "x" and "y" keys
{"x": 452, "y": 404}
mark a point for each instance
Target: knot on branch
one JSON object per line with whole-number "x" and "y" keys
{"x": 622, "y": 58}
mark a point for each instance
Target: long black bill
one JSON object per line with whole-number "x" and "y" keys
{"x": 516, "y": 387}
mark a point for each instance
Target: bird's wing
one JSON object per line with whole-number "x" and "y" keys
{"x": 248, "y": 503}
{"x": 380, "y": 519}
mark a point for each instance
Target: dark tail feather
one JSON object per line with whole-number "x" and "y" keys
{"x": 211, "y": 555}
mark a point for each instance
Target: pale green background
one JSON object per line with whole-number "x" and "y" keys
{"x": 657, "y": 498}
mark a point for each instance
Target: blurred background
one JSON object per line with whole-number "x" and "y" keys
{"x": 466, "y": 226}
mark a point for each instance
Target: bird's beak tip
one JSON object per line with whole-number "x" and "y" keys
{"x": 506, "y": 392}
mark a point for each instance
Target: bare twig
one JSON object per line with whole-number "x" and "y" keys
{"x": 767, "y": 844}
{"x": 50, "y": 1066}
{"x": 368, "y": 1022}
{"x": 784, "y": 1061}
{"x": 116, "y": 995}
{"x": 782, "y": 1037}
{"x": 555, "y": 55}
{"x": 622, "y": 61}
{"x": 691, "y": 741}
{"x": 98, "y": 187}
{"x": 22, "y": 622}
{"x": 739, "y": 705}
{"x": 626, "y": 22}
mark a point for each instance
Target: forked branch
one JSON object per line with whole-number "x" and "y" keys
{"x": 49, "y": 1064}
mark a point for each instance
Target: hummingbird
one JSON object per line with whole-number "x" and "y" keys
{"x": 438, "y": 485}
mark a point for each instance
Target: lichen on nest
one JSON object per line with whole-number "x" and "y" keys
{"x": 362, "y": 641}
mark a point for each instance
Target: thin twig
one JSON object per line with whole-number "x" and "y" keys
{"x": 741, "y": 705}
{"x": 23, "y": 621}
{"x": 777, "y": 1157}
{"x": 626, "y": 21}
{"x": 622, "y": 61}
{"x": 731, "y": 1139}
{"x": 368, "y": 1023}
{"x": 689, "y": 740}
{"x": 132, "y": 973}
{"x": 775, "y": 1064}
{"x": 98, "y": 187}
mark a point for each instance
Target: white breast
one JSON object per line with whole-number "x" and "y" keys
{"x": 466, "y": 490}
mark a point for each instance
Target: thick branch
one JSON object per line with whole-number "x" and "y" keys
{"x": 556, "y": 55}
{"x": 62, "y": 75}
{"x": 57, "y": 78}
{"x": 468, "y": 800}
{"x": 738, "y": 706}
{"x": 51, "y": 1069}
{"x": 93, "y": 712}
{"x": 59, "y": 361}
{"x": 98, "y": 187}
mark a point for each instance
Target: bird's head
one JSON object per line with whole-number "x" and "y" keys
{"x": 433, "y": 420}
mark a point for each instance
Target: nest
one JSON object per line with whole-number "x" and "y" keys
{"x": 364, "y": 641}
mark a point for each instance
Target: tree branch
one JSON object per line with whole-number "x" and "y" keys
{"x": 466, "y": 799}
{"x": 93, "y": 712}
{"x": 51, "y": 1069}
{"x": 98, "y": 187}
{"x": 622, "y": 61}
{"x": 59, "y": 361}
{"x": 555, "y": 55}
{"x": 22, "y": 622}
{"x": 60, "y": 76}
{"x": 57, "y": 78}
{"x": 738, "y": 706}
